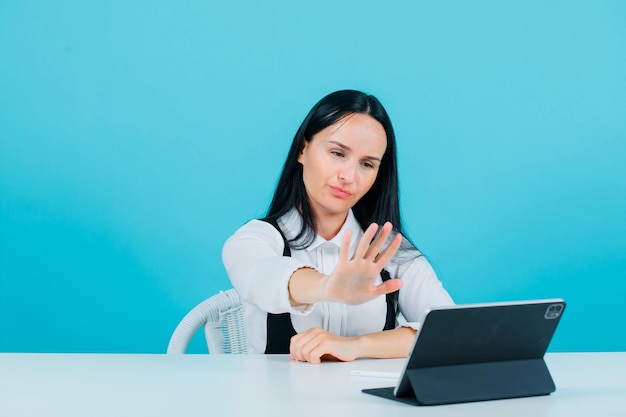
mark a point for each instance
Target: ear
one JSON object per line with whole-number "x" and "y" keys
{"x": 304, "y": 145}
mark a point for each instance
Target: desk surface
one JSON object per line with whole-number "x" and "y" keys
{"x": 257, "y": 385}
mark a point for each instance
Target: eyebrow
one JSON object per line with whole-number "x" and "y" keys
{"x": 347, "y": 148}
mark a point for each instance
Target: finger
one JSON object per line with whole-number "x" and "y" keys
{"x": 380, "y": 240}
{"x": 312, "y": 350}
{"x": 315, "y": 355}
{"x": 344, "y": 251}
{"x": 318, "y": 353}
{"x": 365, "y": 241}
{"x": 298, "y": 344}
{"x": 389, "y": 286}
{"x": 322, "y": 348}
{"x": 295, "y": 346}
{"x": 389, "y": 251}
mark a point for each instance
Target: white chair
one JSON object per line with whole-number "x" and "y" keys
{"x": 222, "y": 318}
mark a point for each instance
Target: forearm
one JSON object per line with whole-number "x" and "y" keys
{"x": 253, "y": 260}
{"x": 394, "y": 343}
{"x": 316, "y": 344}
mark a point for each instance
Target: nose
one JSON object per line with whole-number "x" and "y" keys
{"x": 347, "y": 172}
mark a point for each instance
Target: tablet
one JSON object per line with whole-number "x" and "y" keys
{"x": 477, "y": 352}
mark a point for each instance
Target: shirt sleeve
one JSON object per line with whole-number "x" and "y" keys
{"x": 421, "y": 290}
{"x": 254, "y": 261}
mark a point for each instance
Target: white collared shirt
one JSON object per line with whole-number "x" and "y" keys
{"x": 260, "y": 274}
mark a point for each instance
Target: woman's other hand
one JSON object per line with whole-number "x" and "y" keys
{"x": 315, "y": 345}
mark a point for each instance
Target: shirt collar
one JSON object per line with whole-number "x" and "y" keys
{"x": 291, "y": 222}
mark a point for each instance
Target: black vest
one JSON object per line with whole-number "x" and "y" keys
{"x": 280, "y": 329}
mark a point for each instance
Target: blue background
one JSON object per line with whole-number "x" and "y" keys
{"x": 136, "y": 136}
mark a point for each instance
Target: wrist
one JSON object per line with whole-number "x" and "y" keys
{"x": 324, "y": 294}
{"x": 360, "y": 346}
{"x": 307, "y": 286}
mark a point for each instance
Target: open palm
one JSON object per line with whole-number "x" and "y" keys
{"x": 354, "y": 279}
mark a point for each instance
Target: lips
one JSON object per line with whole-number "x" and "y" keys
{"x": 340, "y": 192}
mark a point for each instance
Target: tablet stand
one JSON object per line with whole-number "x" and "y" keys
{"x": 480, "y": 381}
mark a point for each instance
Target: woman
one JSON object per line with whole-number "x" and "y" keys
{"x": 321, "y": 276}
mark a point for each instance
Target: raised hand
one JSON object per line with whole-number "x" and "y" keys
{"x": 354, "y": 279}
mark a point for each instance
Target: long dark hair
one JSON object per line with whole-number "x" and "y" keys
{"x": 379, "y": 205}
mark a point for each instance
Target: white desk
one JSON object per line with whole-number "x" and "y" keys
{"x": 588, "y": 384}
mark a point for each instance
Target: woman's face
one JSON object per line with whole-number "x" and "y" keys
{"x": 341, "y": 162}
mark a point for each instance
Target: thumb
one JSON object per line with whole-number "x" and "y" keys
{"x": 388, "y": 286}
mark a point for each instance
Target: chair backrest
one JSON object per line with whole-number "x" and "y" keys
{"x": 223, "y": 320}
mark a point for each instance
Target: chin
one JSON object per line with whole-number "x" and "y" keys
{"x": 339, "y": 210}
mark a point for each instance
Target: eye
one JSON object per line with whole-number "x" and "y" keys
{"x": 337, "y": 153}
{"x": 368, "y": 165}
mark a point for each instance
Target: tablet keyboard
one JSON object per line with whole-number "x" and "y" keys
{"x": 387, "y": 392}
